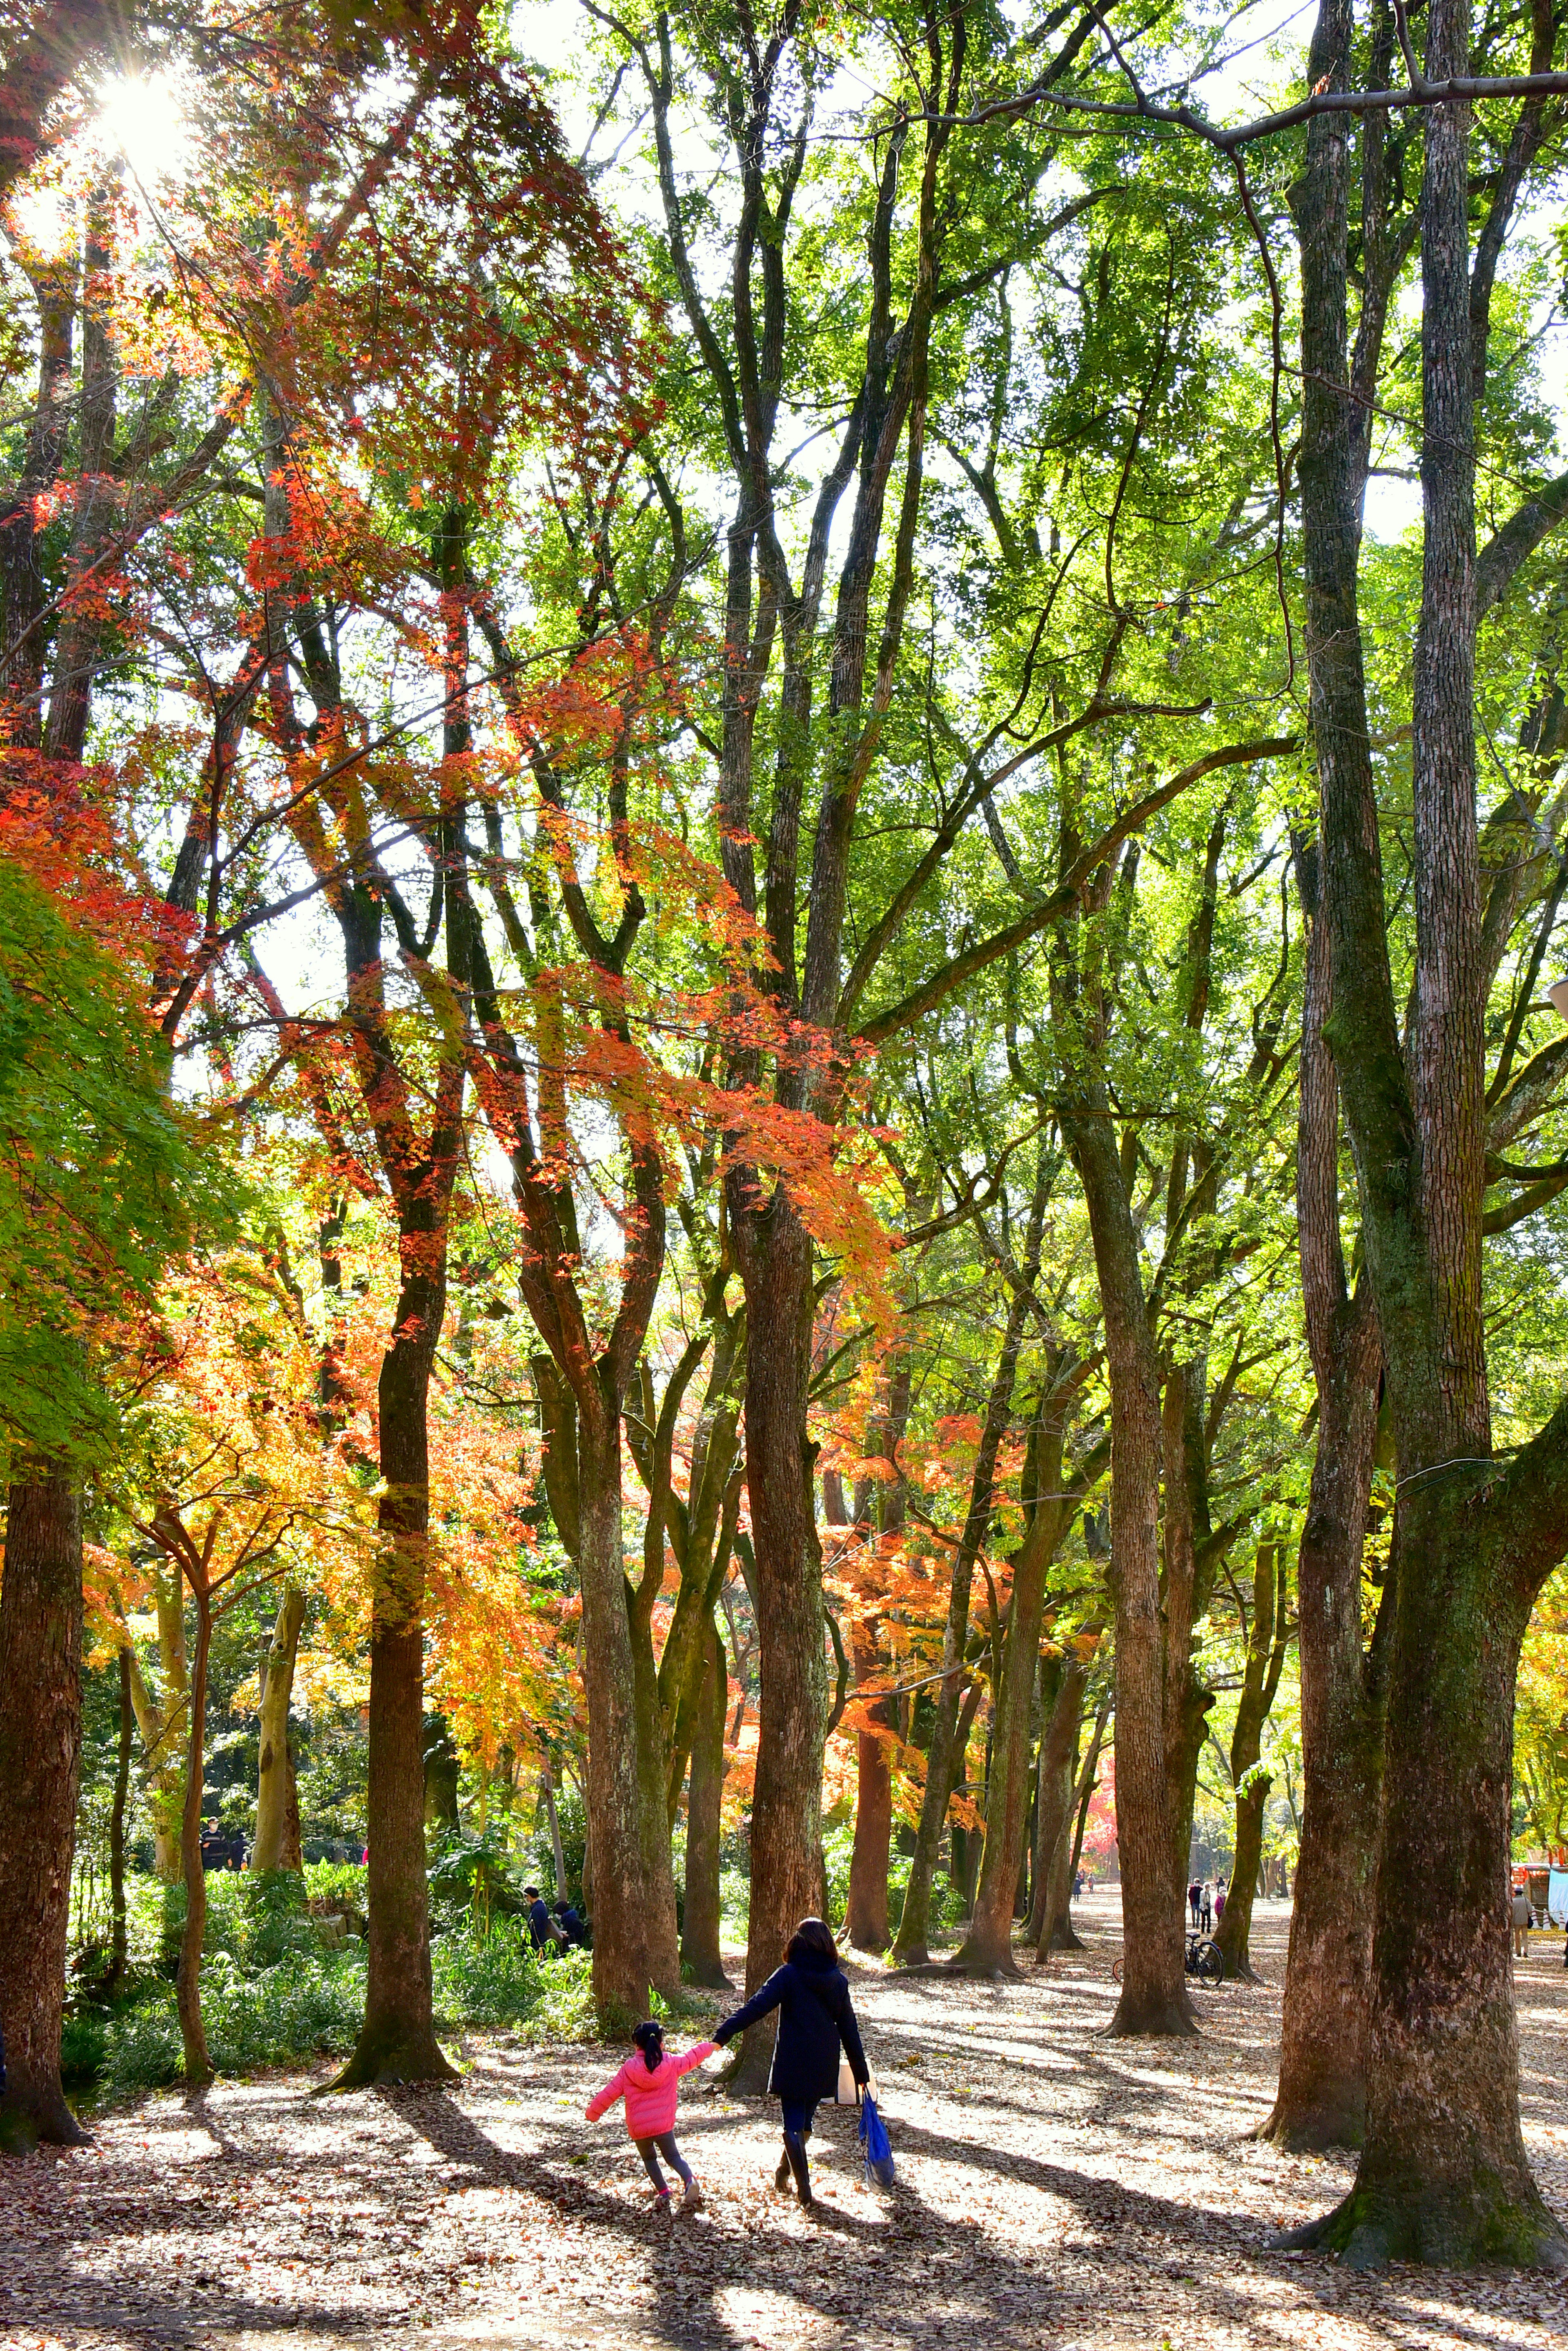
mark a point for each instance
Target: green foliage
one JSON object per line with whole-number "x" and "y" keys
{"x": 498, "y": 1978}
{"x": 101, "y": 1178}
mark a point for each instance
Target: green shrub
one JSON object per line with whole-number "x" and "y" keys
{"x": 342, "y": 1882}
{"x": 500, "y": 1979}
{"x": 307, "y": 2003}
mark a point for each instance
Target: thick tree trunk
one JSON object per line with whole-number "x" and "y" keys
{"x": 1058, "y": 1768}
{"x": 1154, "y": 1991}
{"x": 636, "y": 1941}
{"x": 1322, "y": 2095}
{"x": 1443, "y": 2175}
{"x": 40, "y": 1757}
{"x": 775, "y": 1258}
{"x": 700, "y": 1953}
{"x": 188, "y": 1986}
{"x": 398, "y": 2040}
{"x": 118, "y": 1941}
{"x": 273, "y": 1774}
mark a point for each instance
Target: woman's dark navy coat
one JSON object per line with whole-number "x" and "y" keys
{"x": 815, "y": 2015}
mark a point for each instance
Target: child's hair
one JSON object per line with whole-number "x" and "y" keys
{"x": 649, "y": 2039}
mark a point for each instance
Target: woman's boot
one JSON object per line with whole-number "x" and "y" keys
{"x": 795, "y": 2149}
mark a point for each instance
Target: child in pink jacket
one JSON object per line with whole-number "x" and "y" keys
{"x": 650, "y": 2084}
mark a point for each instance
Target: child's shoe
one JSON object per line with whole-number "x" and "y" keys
{"x": 661, "y": 2199}
{"x": 691, "y": 2197}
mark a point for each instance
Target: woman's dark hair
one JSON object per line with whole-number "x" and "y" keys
{"x": 649, "y": 2039}
{"x": 813, "y": 1939}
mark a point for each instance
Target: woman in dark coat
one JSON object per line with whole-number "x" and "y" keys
{"x": 816, "y": 2017}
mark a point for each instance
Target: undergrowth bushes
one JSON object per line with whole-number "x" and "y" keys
{"x": 275, "y": 1992}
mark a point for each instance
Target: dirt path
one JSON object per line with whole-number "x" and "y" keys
{"x": 1054, "y": 2189}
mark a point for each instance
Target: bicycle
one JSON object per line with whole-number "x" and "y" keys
{"x": 1203, "y": 1958}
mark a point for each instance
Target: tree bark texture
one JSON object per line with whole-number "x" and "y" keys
{"x": 273, "y": 1774}
{"x": 774, "y": 1253}
{"x": 1320, "y": 2100}
{"x": 1442, "y": 2174}
{"x": 1154, "y": 1993}
{"x": 866, "y": 1914}
{"x": 40, "y": 1759}
{"x": 635, "y": 1940}
{"x": 398, "y": 2040}
{"x": 700, "y": 1953}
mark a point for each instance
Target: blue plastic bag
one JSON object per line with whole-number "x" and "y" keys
{"x": 878, "y": 2145}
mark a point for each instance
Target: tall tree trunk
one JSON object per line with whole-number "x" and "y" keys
{"x": 273, "y": 1774}
{"x": 866, "y": 1917}
{"x": 636, "y": 1941}
{"x": 398, "y": 2040}
{"x": 1320, "y": 2100}
{"x": 1267, "y": 1641}
{"x": 40, "y": 1758}
{"x": 988, "y": 1947}
{"x": 1154, "y": 1993}
{"x": 775, "y": 1257}
{"x": 188, "y": 1985}
{"x": 1443, "y": 2174}
{"x": 1060, "y": 1935}
{"x": 699, "y": 1952}
{"x": 119, "y": 1950}
{"x": 1062, "y": 1707}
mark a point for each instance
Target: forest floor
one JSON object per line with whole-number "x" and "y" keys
{"x": 1054, "y": 2189}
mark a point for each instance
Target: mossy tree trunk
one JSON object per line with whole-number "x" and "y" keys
{"x": 699, "y": 1927}
{"x": 1442, "y": 2174}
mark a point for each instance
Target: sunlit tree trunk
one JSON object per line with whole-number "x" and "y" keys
{"x": 273, "y": 1774}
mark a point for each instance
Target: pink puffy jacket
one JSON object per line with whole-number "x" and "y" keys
{"x": 649, "y": 2097}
